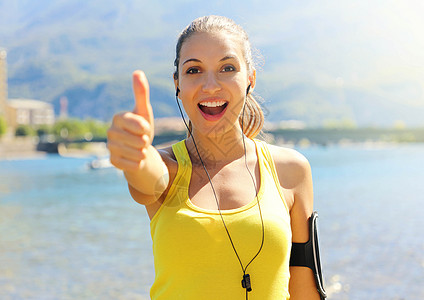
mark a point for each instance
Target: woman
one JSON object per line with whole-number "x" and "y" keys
{"x": 224, "y": 207}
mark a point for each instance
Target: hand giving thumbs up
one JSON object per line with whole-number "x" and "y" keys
{"x": 132, "y": 133}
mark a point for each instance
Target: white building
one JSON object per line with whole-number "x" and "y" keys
{"x": 3, "y": 82}
{"x": 30, "y": 112}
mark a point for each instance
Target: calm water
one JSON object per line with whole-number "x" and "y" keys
{"x": 67, "y": 232}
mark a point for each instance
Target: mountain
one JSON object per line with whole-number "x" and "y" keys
{"x": 321, "y": 60}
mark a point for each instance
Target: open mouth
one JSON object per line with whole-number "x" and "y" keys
{"x": 213, "y": 108}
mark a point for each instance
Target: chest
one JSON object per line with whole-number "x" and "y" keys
{"x": 232, "y": 185}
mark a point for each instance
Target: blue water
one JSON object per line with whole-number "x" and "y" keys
{"x": 68, "y": 232}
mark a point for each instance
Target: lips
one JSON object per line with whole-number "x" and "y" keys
{"x": 212, "y": 110}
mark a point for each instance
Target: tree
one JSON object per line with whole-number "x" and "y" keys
{"x": 70, "y": 129}
{"x": 24, "y": 130}
{"x": 3, "y": 126}
{"x": 44, "y": 130}
{"x": 97, "y": 128}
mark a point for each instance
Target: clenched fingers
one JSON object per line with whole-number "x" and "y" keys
{"x": 132, "y": 123}
{"x": 126, "y": 139}
{"x": 125, "y": 164}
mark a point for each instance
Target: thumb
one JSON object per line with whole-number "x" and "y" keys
{"x": 142, "y": 96}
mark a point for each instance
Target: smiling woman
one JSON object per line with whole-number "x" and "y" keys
{"x": 231, "y": 63}
{"x": 213, "y": 73}
{"x": 224, "y": 206}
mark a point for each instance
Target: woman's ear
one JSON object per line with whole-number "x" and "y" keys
{"x": 252, "y": 80}
{"x": 177, "y": 90}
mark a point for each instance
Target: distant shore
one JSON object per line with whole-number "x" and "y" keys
{"x": 326, "y": 136}
{"x": 26, "y": 147}
{"x": 19, "y": 148}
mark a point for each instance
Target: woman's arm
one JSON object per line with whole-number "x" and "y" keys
{"x": 129, "y": 143}
{"x": 295, "y": 177}
{"x": 302, "y": 281}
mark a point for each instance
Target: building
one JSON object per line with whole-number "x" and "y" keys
{"x": 29, "y": 112}
{"x": 21, "y": 111}
{"x": 3, "y": 83}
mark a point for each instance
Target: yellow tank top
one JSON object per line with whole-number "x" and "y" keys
{"x": 193, "y": 256}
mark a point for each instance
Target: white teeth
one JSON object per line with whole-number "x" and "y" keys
{"x": 213, "y": 104}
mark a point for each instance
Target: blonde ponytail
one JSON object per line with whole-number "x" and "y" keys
{"x": 253, "y": 120}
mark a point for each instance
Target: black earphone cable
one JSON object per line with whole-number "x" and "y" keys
{"x": 244, "y": 269}
{"x": 256, "y": 190}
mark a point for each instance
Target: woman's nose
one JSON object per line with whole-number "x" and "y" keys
{"x": 211, "y": 84}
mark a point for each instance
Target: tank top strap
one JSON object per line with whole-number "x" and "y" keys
{"x": 182, "y": 179}
{"x": 179, "y": 187}
{"x": 181, "y": 154}
{"x": 265, "y": 155}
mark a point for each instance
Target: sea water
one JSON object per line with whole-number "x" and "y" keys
{"x": 69, "y": 232}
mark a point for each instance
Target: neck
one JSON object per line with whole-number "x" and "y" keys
{"x": 217, "y": 148}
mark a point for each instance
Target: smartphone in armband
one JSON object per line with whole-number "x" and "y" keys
{"x": 307, "y": 255}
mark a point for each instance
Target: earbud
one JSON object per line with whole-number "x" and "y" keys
{"x": 248, "y": 89}
{"x": 177, "y": 92}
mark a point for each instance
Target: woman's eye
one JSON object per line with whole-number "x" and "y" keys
{"x": 228, "y": 69}
{"x": 192, "y": 71}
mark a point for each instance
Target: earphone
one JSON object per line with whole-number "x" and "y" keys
{"x": 247, "y": 90}
{"x": 246, "y": 283}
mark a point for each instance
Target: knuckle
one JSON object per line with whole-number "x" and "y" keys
{"x": 141, "y": 125}
{"x": 143, "y": 142}
{"x": 142, "y": 155}
{"x": 112, "y": 142}
{"x": 117, "y": 118}
{"x": 110, "y": 133}
{"x": 127, "y": 115}
{"x": 111, "y": 146}
{"x": 115, "y": 161}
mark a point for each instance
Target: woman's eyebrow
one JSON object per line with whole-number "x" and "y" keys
{"x": 228, "y": 57}
{"x": 191, "y": 59}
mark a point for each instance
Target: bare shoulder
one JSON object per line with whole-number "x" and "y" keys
{"x": 292, "y": 167}
{"x": 167, "y": 154}
{"x": 169, "y": 159}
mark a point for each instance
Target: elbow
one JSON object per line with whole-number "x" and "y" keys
{"x": 141, "y": 198}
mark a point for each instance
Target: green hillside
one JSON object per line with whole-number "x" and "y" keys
{"x": 320, "y": 63}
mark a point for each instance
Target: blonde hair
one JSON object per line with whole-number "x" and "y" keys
{"x": 253, "y": 119}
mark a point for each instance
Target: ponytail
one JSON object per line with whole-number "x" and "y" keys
{"x": 252, "y": 119}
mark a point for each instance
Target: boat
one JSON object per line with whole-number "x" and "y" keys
{"x": 100, "y": 163}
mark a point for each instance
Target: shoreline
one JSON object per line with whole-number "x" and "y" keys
{"x": 24, "y": 155}
{"x": 21, "y": 148}
{"x": 26, "y": 149}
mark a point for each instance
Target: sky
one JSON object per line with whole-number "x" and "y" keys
{"x": 349, "y": 42}
{"x": 373, "y": 46}
{"x": 368, "y": 44}
{"x": 353, "y": 42}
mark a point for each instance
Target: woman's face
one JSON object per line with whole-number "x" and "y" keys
{"x": 213, "y": 79}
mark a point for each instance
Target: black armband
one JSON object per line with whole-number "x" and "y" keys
{"x": 307, "y": 254}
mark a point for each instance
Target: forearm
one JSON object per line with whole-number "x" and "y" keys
{"x": 152, "y": 178}
{"x": 302, "y": 284}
